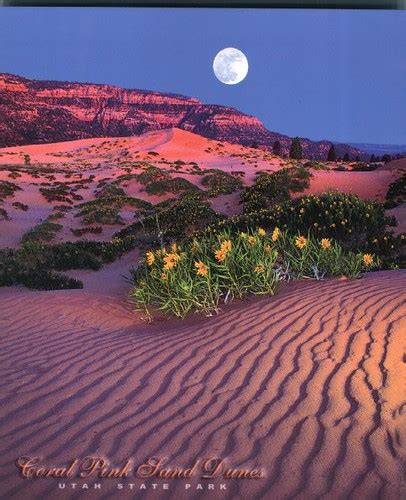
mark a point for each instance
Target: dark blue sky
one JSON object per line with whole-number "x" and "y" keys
{"x": 338, "y": 75}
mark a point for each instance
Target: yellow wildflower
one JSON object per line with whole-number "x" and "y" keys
{"x": 268, "y": 248}
{"x": 368, "y": 259}
{"x": 171, "y": 260}
{"x": 261, "y": 231}
{"x": 259, "y": 269}
{"x": 243, "y": 236}
{"x": 300, "y": 242}
{"x": 275, "y": 234}
{"x": 164, "y": 277}
{"x": 201, "y": 268}
{"x": 325, "y": 243}
{"x": 226, "y": 246}
{"x": 251, "y": 240}
{"x": 220, "y": 255}
{"x": 150, "y": 258}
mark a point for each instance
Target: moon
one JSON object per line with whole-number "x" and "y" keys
{"x": 230, "y": 66}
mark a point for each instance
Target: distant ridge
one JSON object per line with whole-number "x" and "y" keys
{"x": 380, "y": 149}
{"x": 34, "y": 112}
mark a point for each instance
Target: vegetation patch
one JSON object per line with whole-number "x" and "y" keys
{"x": 45, "y": 231}
{"x": 87, "y": 230}
{"x": 315, "y": 165}
{"x": 20, "y": 206}
{"x": 173, "y": 185}
{"x": 8, "y": 189}
{"x": 4, "y": 214}
{"x": 271, "y": 189}
{"x": 60, "y": 193}
{"x": 174, "y": 219}
{"x": 396, "y": 194}
{"x": 364, "y": 167}
{"x": 106, "y": 210}
{"x": 36, "y": 265}
{"x": 216, "y": 268}
{"x": 220, "y": 182}
{"x": 354, "y": 223}
{"x": 152, "y": 174}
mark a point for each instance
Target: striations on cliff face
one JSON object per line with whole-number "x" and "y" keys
{"x": 33, "y": 112}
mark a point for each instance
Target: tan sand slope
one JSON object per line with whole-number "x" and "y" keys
{"x": 309, "y": 384}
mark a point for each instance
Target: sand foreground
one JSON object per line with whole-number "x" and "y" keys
{"x": 309, "y": 385}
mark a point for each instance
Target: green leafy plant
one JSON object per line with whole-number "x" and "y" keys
{"x": 202, "y": 274}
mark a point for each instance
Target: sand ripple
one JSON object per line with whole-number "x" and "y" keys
{"x": 309, "y": 384}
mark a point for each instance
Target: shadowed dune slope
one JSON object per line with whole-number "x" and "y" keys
{"x": 309, "y": 384}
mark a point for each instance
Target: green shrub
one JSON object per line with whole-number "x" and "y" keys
{"x": 110, "y": 190}
{"x": 221, "y": 183}
{"x": 315, "y": 165}
{"x": 106, "y": 210}
{"x": 271, "y": 189}
{"x": 174, "y": 185}
{"x": 59, "y": 193}
{"x": 8, "y": 189}
{"x": 344, "y": 217}
{"x": 396, "y": 193}
{"x": 216, "y": 268}
{"x": 34, "y": 264}
{"x": 20, "y": 206}
{"x": 41, "y": 232}
{"x": 152, "y": 174}
{"x": 363, "y": 167}
{"x": 4, "y": 214}
{"x": 176, "y": 219}
{"x": 86, "y": 230}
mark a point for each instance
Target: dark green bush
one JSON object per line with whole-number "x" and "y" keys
{"x": 106, "y": 210}
{"x": 34, "y": 264}
{"x": 270, "y": 189}
{"x": 3, "y": 214}
{"x": 20, "y": 206}
{"x": 152, "y": 174}
{"x": 8, "y": 189}
{"x": 396, "y": 194}
{"x": 42, "y": 232}
{"x": 221, "y": 182}
{"x": 176, "y": 220}
{"x": 86, "y": 230}
{"x": 59, "y": 193}
{"x": 363, "y": 167}
{"x": 175, "y": 185}
{"x": 344, "y": 217}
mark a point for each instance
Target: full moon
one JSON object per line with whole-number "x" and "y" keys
{"x": 230, "y": 66}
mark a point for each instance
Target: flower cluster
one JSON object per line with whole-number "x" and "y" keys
{"x": 218, "y": 267}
